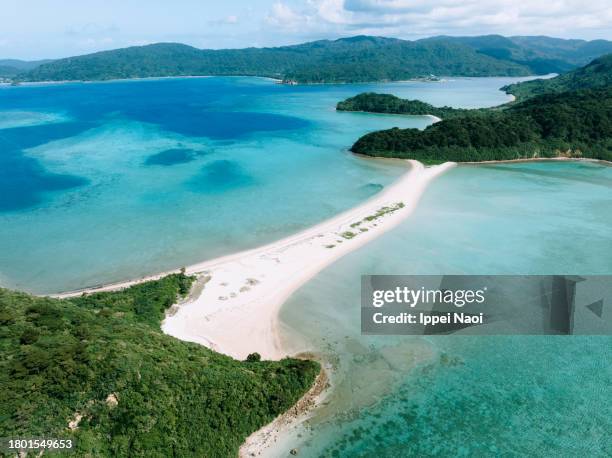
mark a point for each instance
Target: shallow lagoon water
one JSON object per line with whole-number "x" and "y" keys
{"x": 467, "y": 395}
{"x": 102, "y": 182}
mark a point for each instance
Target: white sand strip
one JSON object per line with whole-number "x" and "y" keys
{"x": 237, "y": 311}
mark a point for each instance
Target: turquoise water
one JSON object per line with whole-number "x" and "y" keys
{"x": 466, "y": 395}
{"x": 102, "y": 182}
{"x": 106, "y": 181}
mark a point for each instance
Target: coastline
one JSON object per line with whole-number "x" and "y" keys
{"x": 236, "y": 312}
{"x": 435, "y": 119}
{"x": 301, "y": 411}
{"x": 272, "y": 78}
{"x": 538, "y": 159}
{"x": 199, "y": 268}
{"x": 136, "y": 78}
{"x": 233, "y": 307}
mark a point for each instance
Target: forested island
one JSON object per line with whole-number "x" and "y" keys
{"x": 97, "y": 369}
{"x": 574, "y": 123}
{"x": 372, "y": 102}
{"x": 345, "y": 60}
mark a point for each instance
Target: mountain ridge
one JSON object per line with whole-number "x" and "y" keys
{"x": 344, "y": 60}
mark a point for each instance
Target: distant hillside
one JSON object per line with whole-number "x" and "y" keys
{"x": 12, "y": 67}
{"x": 597, "y": 74}
{"x": 364, "y": 58}
{"x": 345, "y": 60}
{"x": 540, "y": 54}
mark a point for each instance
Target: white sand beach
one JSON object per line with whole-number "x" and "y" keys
{"x": 234, "y": 307}
{"x": 237, "y": 309}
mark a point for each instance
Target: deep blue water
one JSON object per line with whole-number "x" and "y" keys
{"x": 105, "y": 181}
{"x": 23, "y": 179}
{"x": 172, "y": 157}
{"x": 193, "y": 113}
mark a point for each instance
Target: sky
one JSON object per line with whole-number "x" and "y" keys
{"x": 36, "y": 29}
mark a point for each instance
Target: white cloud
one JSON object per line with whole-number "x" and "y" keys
{"x": 415, "y": 18}
{"x": 394, "y": 6}
{"x": 284, "y": 17}
{"x": 228, "y": 20}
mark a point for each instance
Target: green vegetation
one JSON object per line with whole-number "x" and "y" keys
{"x": 344, "y": 60}
{"x": 597, "y": 74}
{"x": 540, "y": 54}
{"x": 354, "y": 59}
{"x": 380, "y": 212}
{"x": 387, "y": 103}
{"x": 566, "y": 116}
{"x": 383, "y": 211}
{"x": 10, "y": 68}
{"x": 571, "y": 124}
{"x": 138, "y": 392}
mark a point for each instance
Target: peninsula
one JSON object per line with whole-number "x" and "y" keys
{"x": 568, "y": 116}
{"x": 237, "y": 298}
{"x": 98, "y": 370}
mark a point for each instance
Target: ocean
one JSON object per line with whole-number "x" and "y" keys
{"x": 466, "y": 395}
{"x": 109, "y": 181}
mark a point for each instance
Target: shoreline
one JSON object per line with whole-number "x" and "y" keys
{"x": 193, "y": 269}
{"x": 136, "y": 78}
{"x": 234, "y": 304}
{"x": 297, "y": 414}
{"x": 434, "y": 118}
{"x": 236, "y": 312}
{"x": 276, "y": 80}
{"x": 539, "y": 159}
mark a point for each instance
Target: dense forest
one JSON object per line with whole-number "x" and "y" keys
{"x": 540, "y": 54}
{"x": 100, "y": 363}
{"x": 12, "y": 67}
{"x": 597, "y": 74}
{"x": 354, "y": 59}
{"x": 571, "y": 124}
{"x": 344, "y": 60}
{"x": 387, "y": 103}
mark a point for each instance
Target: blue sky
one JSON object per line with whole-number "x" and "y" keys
{"x": 32, "y": 29}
